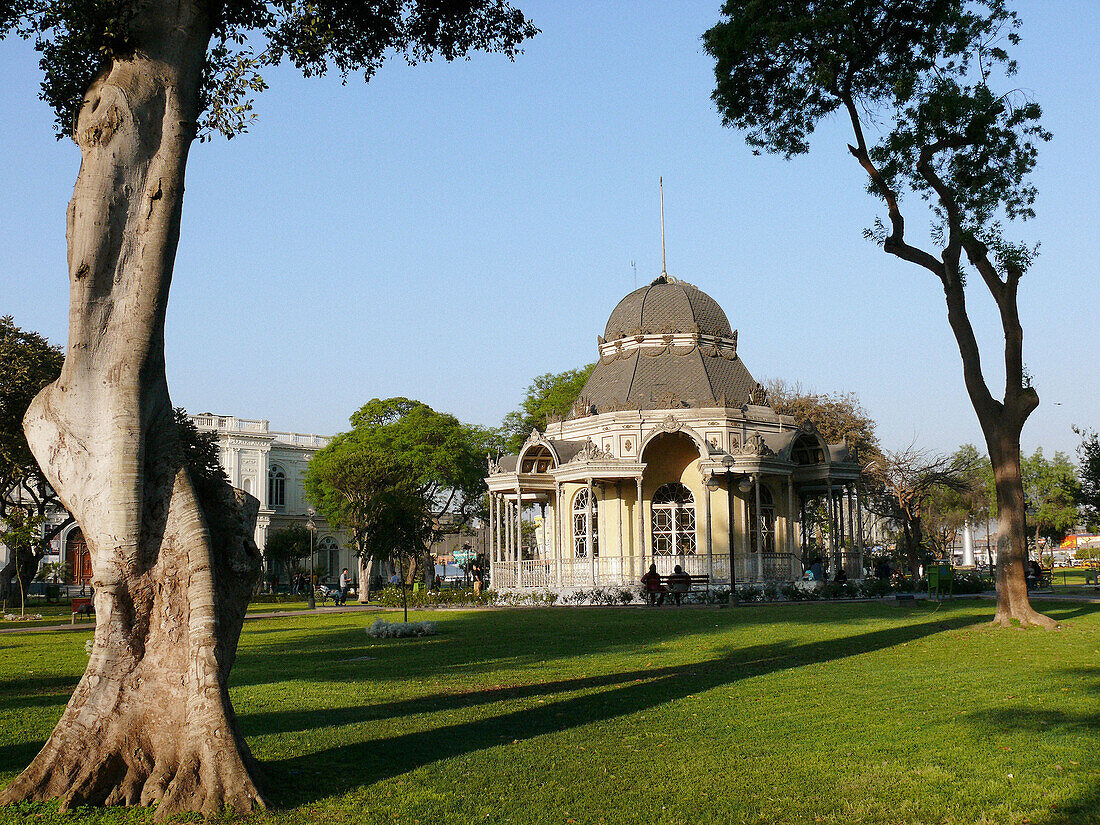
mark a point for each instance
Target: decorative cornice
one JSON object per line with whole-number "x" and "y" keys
{"x": 670, "y": 424}
{"x": 755, "y": 446}
{"x": 591, "y": 452}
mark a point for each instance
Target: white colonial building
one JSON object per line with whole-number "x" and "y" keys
{"x": 671, "y": 455}
{"x": 271, "y": 465}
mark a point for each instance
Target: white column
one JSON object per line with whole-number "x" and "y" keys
{"x": 509, "y": 533}
{"x": 639, "y": 539}
{"x": 519, "y": 528}
{"x": 619, "y": 507}
{"x": 710, "y": 535}
{"x": 968, "y": 546}
{"x": 492, "y": 527}
{"x": 559, "y": 550}
{"x": 588, "y": 529}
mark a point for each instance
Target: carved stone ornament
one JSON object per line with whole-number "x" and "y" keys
{"x": 759, "y": 395}
{"x": 755, "y": 446}
{"x": 534, "y": 438}
{"x": 590, "y": 452}
{"x": 494, "y": 466}
{"x": 670, "y": 425}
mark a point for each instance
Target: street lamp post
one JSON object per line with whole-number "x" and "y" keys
{"x": 312, "y": 527}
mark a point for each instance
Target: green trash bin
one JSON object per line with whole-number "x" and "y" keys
{"x": 941, "y": 580}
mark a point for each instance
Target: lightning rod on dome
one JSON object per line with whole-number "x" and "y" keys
{"x": 661, "y": 186}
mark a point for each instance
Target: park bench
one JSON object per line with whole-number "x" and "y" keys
{"x": 696, "y": 584}
{"x": 1044, "y": 581}
{"x": 82, "y": 606}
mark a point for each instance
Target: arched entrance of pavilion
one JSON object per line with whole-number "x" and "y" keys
{"x": 676, "y": 513}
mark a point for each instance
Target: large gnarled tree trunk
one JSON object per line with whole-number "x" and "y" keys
{"x": 151, "y": 720}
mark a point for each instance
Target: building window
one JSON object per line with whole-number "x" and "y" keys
{"x": 673, "y": 521}
{"x": 276, "y": 488}
{"x": 328, "y": 552}
{"x": 580, "y": 531}
{"x": 765, "y": 521}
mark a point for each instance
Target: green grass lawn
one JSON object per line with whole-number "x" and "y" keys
{"x": 839, "y": 713}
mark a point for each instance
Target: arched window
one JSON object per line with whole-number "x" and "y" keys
{"x": 328, "y": 552}
{"x": 276, "y": 487}
{"x": 673, "y": 521}
{"x": 807, "y": 450}
{"x": 580, "y": 530}
{"x": 537, "y": 459}
{"x": 765, "y": 521}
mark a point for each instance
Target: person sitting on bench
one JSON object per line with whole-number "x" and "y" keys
{"x": 654, "y": 590}
{"x": 679, "y": 583}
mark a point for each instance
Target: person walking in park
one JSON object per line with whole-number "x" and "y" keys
{"x": 343, "y": 587}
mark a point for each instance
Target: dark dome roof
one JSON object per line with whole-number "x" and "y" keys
{"x": 667, "y": 305}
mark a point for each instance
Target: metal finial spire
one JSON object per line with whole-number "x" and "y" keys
{"x": 661, "y": 185}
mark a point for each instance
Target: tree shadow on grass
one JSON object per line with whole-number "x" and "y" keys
{"x": 15, "y": 758}
{"x": 525, "y": 638}
{"x": 294, "y": 781}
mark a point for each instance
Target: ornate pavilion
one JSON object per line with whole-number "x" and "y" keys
{"x": 671, "y": 455}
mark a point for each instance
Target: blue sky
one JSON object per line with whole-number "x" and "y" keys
{"x": 448, "y": 231}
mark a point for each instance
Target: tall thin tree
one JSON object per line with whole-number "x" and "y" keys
{"x": 923, "y": 72}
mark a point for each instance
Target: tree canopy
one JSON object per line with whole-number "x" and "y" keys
{"x": 1088, "y": 454}
{"x": 78, "y": 39}
{"x": 547, "y": 396}
{"x": 27, "y": 363}
{"x": 396, "y": 473}
{"x": 838, "y": 417}
{"x": 1052, "y": 491}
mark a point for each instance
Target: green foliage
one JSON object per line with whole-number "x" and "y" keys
{"x": 1088, "y": 453}
{"x": 921, "y": 69}
{"x": 78, "y": 39}
{"x": 59, "y": 571}
{"x": 27, "y": 364}
{"x": 547, "y": 396}
{"x": 201, "y": 456}
{"x": 396, "y": 473}
{"x": 1051, "y": 492}
{"x": 289, "y": 545}
{"x": 838, "y": 417}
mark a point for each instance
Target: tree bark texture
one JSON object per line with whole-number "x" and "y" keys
{"x": 151, "y": 720}
{"x": 1001, "y": 421}
{"x": 366, "y": 572}
{"x": 1012, "y": 599}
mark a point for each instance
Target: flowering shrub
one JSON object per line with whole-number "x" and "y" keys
{"x": 381, "y": 629}
{"x": 15, "y": 617}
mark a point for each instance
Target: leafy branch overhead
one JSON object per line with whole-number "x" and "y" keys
{"x": 78, "y": 39}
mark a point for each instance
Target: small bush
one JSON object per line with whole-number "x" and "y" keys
{"x": 381, "y": 629}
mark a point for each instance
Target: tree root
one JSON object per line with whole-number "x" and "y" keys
{"x": 1025, "y": 616}
{"x": 207, "y": 779}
